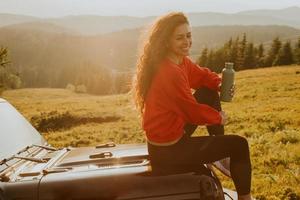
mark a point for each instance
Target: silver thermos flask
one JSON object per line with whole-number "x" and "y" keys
{"x": 227, "y": 82}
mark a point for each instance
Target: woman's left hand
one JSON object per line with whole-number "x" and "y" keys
{"x": 232, "y": 90}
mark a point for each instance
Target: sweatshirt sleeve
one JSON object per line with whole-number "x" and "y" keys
{"x": 202, "y": 77}
{"x": 183, "y": 102}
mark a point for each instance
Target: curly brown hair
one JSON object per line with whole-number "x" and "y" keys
{"x": 154, "y": 50}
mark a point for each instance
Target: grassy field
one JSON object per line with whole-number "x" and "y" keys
{"x": 266, "y": 110}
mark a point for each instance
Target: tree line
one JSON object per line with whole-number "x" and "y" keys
{"x": 79, "y": 77}
{"x": 9, "y": 78}
{"x": 246, "y": 55}
{"x": 95, "y": 79}
{"x": 91, "y": 78}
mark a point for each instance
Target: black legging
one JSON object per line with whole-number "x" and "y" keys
{"x": 191, "y": 152}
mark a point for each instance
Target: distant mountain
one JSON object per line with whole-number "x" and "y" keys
{"x": 39, "y": 26}
{"x": 290, "y": 13}
{"x": 8, "y": 19}
{"x": 207, "y": 19}
{"x": 93, "y": 25}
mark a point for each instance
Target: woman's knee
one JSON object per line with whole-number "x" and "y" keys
{"x": 206, "y": 96}
{"x": 241, "y": 145}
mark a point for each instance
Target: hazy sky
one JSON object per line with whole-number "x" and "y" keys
{"x": 56, "y": 8}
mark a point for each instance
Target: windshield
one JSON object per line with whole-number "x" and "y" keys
{"x": 15, "y": 131}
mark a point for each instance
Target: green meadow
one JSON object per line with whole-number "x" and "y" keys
{"x": 265, "y": 110}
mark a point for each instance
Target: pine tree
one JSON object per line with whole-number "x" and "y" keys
{"x": 227, "y": 49}
{"x": 249, "y": 61}
{"x": 234, "y": 51}
{"x": 297, "y": 52}
{"x": 260, "y": 62}
{"x": 210, "y": 60}
{"x": 260, "y": 52}
{"x": 3, "y": 62}
{"x": 272, "y": 54}
{"x": 8, "y": 77}
{"x": 3, "y": 57}
{"x": 241, "y": 53}
{"x": 219, "y": 60}
{"x": 285, "y": 55}
{"x": 203, "y": 58}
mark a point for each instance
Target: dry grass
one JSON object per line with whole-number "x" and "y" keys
{"x": 266, "y": 110}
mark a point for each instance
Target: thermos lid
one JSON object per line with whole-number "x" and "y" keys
{"x": 229, "y": 65}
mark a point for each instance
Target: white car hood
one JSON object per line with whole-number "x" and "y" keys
{"x": 15, "y": 131}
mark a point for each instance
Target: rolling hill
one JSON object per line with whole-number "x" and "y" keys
{"x": 93, "y": 24}
{"x": 47, "y": 48}
{"x": 290, "y": 13}
{"x": 9, "y": 19}
{"x": 44, "y": 44}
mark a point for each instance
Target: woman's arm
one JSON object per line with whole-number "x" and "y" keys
{"x": 182, "y": 102}
{"x": 202, "y": 77}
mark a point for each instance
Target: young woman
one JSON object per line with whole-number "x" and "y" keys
{"x": 171, "y": 113}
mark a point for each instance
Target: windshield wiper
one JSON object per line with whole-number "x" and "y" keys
{"x": 6, "y": 178}
{"x": 36, "y": 145}
{"x": 38, "y": 160}
{"x": 46, "y": 147}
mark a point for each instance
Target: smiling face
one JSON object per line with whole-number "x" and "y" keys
{"x": 180, "y": 42}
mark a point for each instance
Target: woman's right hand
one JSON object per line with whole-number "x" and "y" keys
{"x": 224, "y": 117}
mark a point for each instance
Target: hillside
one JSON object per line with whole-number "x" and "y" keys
{"x": 40, "y": 26}
{"x": 265, "y": 110}
{"x": 290, "y": 13}
{"x": 9, "y": 19}
{"x": 94, "y": 24}
{"x": 49, "y": 49}
{"x": 91, "y": 25}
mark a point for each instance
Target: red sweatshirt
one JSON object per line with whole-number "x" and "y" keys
{"x": 169, "y": 104}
